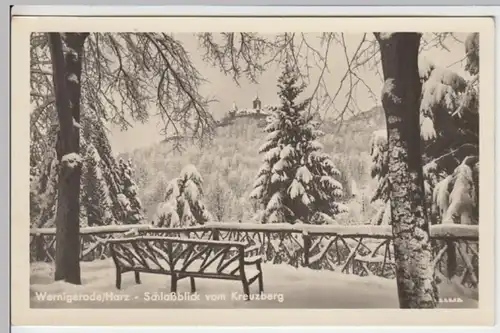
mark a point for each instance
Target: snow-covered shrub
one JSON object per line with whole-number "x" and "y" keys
{"x": 472, "y": 53}
{"x": 183, "y": 204}
{"x": 455, "y": 198}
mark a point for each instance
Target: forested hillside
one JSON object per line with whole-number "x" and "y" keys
{"x": 229, "y": 164}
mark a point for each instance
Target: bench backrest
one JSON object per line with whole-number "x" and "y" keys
{"x": 172, "y": 254}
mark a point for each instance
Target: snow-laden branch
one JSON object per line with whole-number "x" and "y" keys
{"x": 442, "y": 162}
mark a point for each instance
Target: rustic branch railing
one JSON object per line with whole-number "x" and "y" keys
{"x": 362, "y": 250}
{"x": 92, "y": 241}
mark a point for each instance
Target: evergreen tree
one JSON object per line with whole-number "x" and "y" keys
{"x": 94, "y": 131}
{"x": 379, "y": 151}
{"x": 449, "y": 130}
{"x": 128, "y": 197}
{"x": 183, "y": 206}
{"x": 95, "y": 198}
{"x": 297, "y": 182}
{"x": 43, "y": 191}
{"x": 455, "y": 197}
{"x": 108, "y": 193}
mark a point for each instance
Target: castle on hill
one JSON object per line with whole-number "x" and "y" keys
{"x": 256, "y": 109}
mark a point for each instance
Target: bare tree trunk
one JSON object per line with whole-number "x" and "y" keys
{"x": 400, "y": 99}
{"x": 67, "y": 68}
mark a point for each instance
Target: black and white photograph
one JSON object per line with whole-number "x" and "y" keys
{"x": 255, "y": 170}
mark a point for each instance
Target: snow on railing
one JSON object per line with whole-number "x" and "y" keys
{"x": 436, "y": 231}
{"x": 470, "y": 232}
{"x": 369, "y": 230}
{"x": 104, "y": 229}
{"x": 353, "y": 249}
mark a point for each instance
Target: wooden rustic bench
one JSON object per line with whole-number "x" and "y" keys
{"x": 181, "y": 258}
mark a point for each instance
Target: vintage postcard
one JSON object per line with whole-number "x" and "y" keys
{"x": 252, "y": 171}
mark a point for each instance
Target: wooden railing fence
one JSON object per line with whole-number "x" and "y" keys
{"x": 362, "y": 250}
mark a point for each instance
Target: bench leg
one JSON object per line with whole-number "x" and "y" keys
{"x": 173, "y": 283}
{"x": 118, "y": 278}
{"x": 137, "y": 277}
{"x": 261, "y": 278}
{"x": 193, "y": 285}
{"x": 246, "y": 288}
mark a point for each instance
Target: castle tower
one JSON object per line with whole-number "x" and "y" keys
{"x": 257, "y": 105}
{"x": 233, "y": 110}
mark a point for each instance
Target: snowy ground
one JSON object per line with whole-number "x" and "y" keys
{"x": 285, "y": 287}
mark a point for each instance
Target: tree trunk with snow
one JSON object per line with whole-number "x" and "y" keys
{"x": 400, "y": 99}
{"x": 67, "y": 68}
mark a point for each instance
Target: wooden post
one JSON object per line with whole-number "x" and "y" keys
{"x": 451, "y": 258}
{"x": 246, "y": 287}
{"x": 118, "y": 283}
{"x": 82, "y": 242}
{"x": 215, "y": 234}
{"x": 193, "y": 284}
{"x": 173, "y": 283}
{"x": 39, "y": 253}
{"x": 307, "y": 247}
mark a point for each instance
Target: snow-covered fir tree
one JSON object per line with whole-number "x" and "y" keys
{"x": 95, "y": 132}
{"x": 95, "y": 196}
{"x": 128, "y": 196}
{"x": 449, "y": 120}
{"x": 100, "y": 170}
{"x": 183, "y": 204}
{"x": 297, "y": 181}
{"x": 380, "y": 163}
{"x": 43, "y": 191}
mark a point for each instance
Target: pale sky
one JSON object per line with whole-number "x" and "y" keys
{"x": 226, "y": 91}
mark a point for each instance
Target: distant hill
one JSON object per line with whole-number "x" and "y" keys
{"x": 230, "y": 163}
{"x": 354, "y": 134}
{"x": 374, "y": 116}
